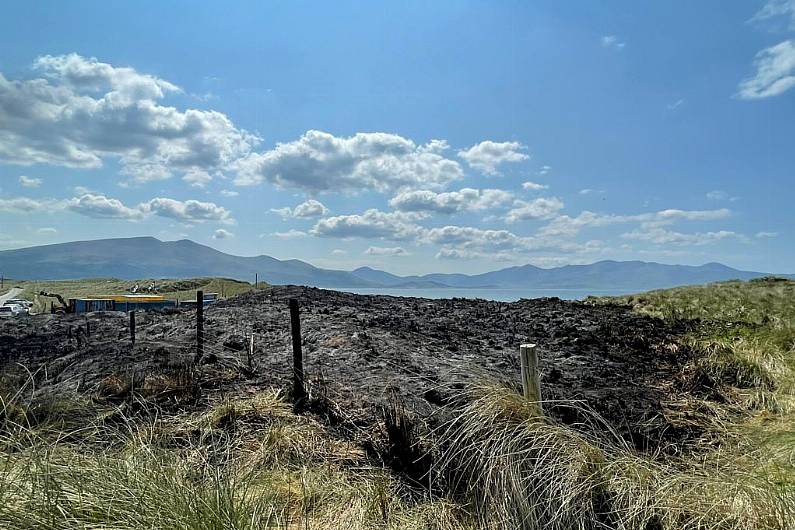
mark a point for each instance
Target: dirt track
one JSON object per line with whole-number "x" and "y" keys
{"x": 360, "y": 348}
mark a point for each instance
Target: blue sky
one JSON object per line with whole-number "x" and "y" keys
{"x": 413, "y": 136}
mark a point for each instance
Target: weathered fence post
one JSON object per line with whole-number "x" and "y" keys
{"x": 132, "y": 327}
{"x": 251, "y": 353}
{"x": 199, "y": 324}
{"x": 531, "y": 380}
{"x": 299, "y": 392}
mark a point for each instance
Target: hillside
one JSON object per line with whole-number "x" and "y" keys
{"x": 147, "y": 257}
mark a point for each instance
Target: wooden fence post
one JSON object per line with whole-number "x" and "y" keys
{"x": 251, "y": 353}
{"x": 299, "y": 392}
{"x": 132, "y": 327}
{"x": 199, "y": 324}
{"x": 531, "y": 380}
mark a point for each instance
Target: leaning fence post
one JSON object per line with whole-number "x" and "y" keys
{"x": 132, "y": 327}
{"x": 531, "y": 381}
{"x": 299, "y": 392}
{"x": 199, "y": 324}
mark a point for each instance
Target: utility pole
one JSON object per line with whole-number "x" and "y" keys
{"x": 256, "y": 279}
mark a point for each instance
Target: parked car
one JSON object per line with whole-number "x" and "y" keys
{"x": 19, "y": 301}
{"x": 9, "y": 311}
{"x": 16, "y": 309}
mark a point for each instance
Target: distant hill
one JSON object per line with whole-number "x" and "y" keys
{"x": 147, "y": 257}
{"x": 629, "y": 275}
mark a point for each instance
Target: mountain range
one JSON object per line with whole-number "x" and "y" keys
{"x": 148, "y": 257}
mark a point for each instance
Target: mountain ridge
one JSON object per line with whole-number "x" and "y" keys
{"x": 146, "y": 256}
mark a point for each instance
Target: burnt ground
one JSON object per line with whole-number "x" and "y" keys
{"x": 359, "y": 350}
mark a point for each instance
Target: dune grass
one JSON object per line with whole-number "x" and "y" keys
{"x": 252, "y": 463}
{"x": 518, "y": 470}
{"x": 245, "y": 463}
{"x": 745, "y": 333}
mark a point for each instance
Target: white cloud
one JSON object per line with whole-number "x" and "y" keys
{"x": 775, "y": 9}
{"x": 190, "y": 210}
{"x": 541, "y": 208}
{"x": 458, "y": 254}
{"x": 339, "y": 252}
{"x": 471, "y": 238}
{"x": 290, "y": 234}
{"x": 373, "y": 223}
{"x": 306, "y": 210}
{"x": 101, "y": 207}
{"x": 222, "y": 234}
{"x": 386, "y": 251}
{"x": 285, "y": 212}
{"x": 229, "y": 193}
{"x": 566, "y": 226}
{"x": 466, "y": 199}
{"x": 82, "y": 111}
{"x": 47, "y": 231}
{"x": 676, "y": 104}
{"x": 589, "y": 191}
{"x": 309, "y": 209}
{"x": 612, "y": 42}
{"x": 775, "y": 72}
{"x": 661, "y": 236}
{"x": 544, "y": 170}
{"x": 27, "y": 205}
{"x": 197, "y": 178}
{"x": 29, "y": 182}
{"x": 319, "y": 161}
{"x": 687, "y": 215}
{"x": 487, "y": 156}
{"x": 766, "y": 235}
{"x": 534, "y": 186}
{"x": 720, "y": 195}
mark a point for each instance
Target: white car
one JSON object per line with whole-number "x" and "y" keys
{"x": 16, "y": 309}
{"x": 20, "y": 302}
{"x": 9, "y": 311}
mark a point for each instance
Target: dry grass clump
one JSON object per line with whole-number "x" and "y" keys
{"x": 518, "y": 470}
{"x": 243, "y": 464}
{"x": 743, "y": 363}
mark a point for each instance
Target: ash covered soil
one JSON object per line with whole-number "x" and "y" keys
{"x": 362, "y": 350}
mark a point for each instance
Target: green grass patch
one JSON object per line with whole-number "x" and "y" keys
{"x": 745, "y": 334}
{"x": 183, "y": 289}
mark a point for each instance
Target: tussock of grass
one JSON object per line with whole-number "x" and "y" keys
{"x": 519, "y": 470}
{"x": 243, "y": 464}
{"x": 742, "y": 363}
